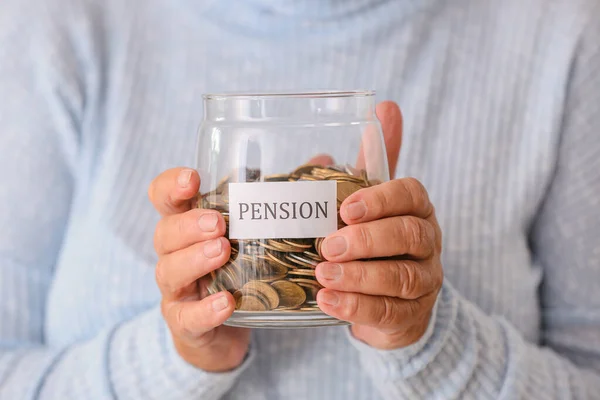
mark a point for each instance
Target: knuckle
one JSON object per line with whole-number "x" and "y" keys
{"x": 388, "y": 312}
{"x": 409, "y": 282}
{"x": 351, "y": 307}
{"x": 159, "y": 237}
{"x": 418, "y": 234}
{"x": 382, "y": 199}
{"x": 417, "y": 193}
{"x": 362, "y": 278}
{"x": 160, "y": 274}
{"x": 365, "y": 238}
{"x": 181, "y": 225}
{"x": 181, "y": 321}
{"x": 414, "y": 308}
{"x": 427, "y": 234}
{"x": 438, "y": 277}
{"x": 381, "y": 275}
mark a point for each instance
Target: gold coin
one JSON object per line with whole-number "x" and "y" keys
{"x": 277, "y": 246}
{"x": 229, "y": 276}
{"x": 301, "y": 261}
{"x": 280, "y": 245}
{"x": 277, "y": 178}
{"x": 250, "y": 303}
{"x": 307, "y": 282}
{"x": 255, "y": 293}
{"x": 276, "y": 272}
{"x": 313, "y": 256}
{"x": 350, "y": 170}
{"x": 308, "y": 178}
{"x": 279, "y": 260}
{"x": 318, "y": 243}
{"x": 298, "y": 243}
{"x": 364, "y": 177}
{"x": 290, "y": 294}
{"x": 266, "y": 290}
{"x": 302, "y": 272}
{"x": 345, "y": 189}
{"x": 311, "y": 291}
{"x": 237, "y": 294}
{"x": 305, "y": 169}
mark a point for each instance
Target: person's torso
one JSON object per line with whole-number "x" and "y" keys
{"x": 481, "y": 86}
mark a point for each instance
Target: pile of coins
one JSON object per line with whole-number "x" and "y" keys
{"x": 278, "y": 274}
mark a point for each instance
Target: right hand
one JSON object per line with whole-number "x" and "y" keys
{"x": 190, "y": 243}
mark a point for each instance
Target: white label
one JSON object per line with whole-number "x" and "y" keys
{"x": 269, "y": 210}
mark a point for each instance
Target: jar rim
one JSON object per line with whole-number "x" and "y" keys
{"x": 284, "y": 94}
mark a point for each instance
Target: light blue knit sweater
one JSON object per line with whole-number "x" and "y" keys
{"x": 502, "y": 108}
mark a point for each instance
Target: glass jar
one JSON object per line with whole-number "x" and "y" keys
{"x": 278, "y": 166}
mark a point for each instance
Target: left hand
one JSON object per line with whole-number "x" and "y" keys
{"x": 389, "y": 298}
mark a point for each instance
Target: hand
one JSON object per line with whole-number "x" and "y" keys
{"x": 190, "y": 244}
{"x": 389, "y": 299}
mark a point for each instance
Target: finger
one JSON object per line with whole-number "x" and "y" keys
{"x": 405, "y": 235}
{"x": 176, "y": 232}
{"x": 321, "y": 159}
{"x": 390, "y": 117}
{"x": 172, "y": 191}
{"x": 405, "y": 196}
{"x": 363, "y": 309}
{"x": 192, "y": 319}
{"x": 175, "y": 272}
{"x": 406, "y": 279}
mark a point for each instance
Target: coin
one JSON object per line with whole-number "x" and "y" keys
{"x": 313, "y": 256}
{"x": 304, "y": 281}
{"x": 290, "y": 294}
{"x": 277, "y": 178}
{"x": 237, "y": 294}
{"x": 301, "y": 261}
{"x": 345, "y": 189}
{"x": 304, "y": 170}
{"x": 279, "y": 246}
{"x": 298, "y": 243}
{"x": 276, "y": 272}
{"x": 302, "y": 272}
{"x": 250, "y": 303}
{"x": 278, "y": 258}
{"x": 266, "y": 290}
{"x": 311, "y": 291}
{"x": 318, "y": 243}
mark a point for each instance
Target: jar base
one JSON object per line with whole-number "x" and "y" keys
{"x": 282, "y": 319}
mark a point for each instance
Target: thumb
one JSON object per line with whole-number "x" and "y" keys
{"x": 390, "y": 117}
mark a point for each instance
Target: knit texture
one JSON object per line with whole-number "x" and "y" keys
{"x": 501, "y": 101}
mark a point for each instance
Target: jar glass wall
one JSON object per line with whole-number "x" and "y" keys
{"x": 278, "y": 166}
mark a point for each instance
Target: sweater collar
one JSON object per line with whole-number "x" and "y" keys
{"x": 315, "y": 9}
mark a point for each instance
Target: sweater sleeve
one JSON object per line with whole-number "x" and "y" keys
{"x": 467, "y": 354}
{"x": 42, "y": 107}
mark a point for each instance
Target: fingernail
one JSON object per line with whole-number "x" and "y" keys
{"x": 213, "y": 248}
{"x": 335, "y": 246}
{"x": 330, "y": 271}
{"x": 220, "y": 303}
{"x": 356, "y": 210}
{"x": 329, "y": 298}
{"x": 208, "y": 222}
{"x": 184, "y": 178}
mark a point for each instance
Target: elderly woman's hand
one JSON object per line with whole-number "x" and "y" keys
{"x": 190, "y": 243}
{"x": 384, "y": 272}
